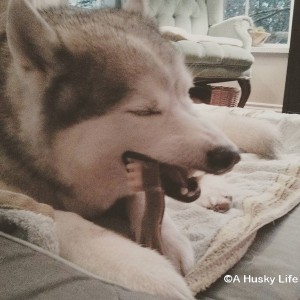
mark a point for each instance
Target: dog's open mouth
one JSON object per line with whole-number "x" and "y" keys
{"x": 175, "y": 180}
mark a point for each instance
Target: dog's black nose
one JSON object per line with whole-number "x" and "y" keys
{"x": 221, "y": 159}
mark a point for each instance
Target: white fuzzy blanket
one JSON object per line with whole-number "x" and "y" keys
{"x": 264, "y": 191}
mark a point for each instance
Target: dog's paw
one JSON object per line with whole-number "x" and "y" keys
{"x": 216, "y": 193}
{"x": 176, "y": 247}
{"x": 156, "y": 275}
{"x": 166, "y": 282}
{"x": 219, "y": 203}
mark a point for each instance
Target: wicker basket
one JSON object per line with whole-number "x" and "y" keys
{"x": 224, "y": 96}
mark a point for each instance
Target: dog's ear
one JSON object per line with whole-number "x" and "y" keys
{"x": 138, "y": 6}
{"x": 32, "y": 42}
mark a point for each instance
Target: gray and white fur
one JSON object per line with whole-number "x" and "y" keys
{"x": 78, "y": 88}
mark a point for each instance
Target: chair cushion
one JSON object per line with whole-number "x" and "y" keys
{"x": 189, "y": 15}
{"x": 176, "y": 34}
{"x": 213, "y": 56}
{"x": 215, "y": 10}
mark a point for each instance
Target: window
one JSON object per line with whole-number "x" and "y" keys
{"x": 273, "y": 16}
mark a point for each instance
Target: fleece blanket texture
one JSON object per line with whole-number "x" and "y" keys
{"x": 264, "y": 190}
{"x": 24, "y": 218}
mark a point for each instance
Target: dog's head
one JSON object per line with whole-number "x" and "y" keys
{"x": 91, "y": 85}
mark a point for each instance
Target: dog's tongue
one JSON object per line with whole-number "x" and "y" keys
{"x": 174, "y": 180}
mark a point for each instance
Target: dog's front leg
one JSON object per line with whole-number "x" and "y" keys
{"x": 116, "y": 259}
{"x": 177, "y": 248}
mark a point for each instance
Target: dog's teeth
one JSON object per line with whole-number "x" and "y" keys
{"x": 190, "y": 194}
{"x": 184, "y": 191}
{"x": 197, "y": 178}
{"x": 197, "y": 174}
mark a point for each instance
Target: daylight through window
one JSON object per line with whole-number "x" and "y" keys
{"x": 272, "y": 16}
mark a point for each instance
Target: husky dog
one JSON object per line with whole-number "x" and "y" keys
{"x": 78, "y": 88}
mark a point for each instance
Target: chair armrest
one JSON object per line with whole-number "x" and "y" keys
{"x": 236, "y": 27}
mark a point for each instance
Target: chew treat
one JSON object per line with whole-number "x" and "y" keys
{"x": 143, "y": 175}
{"x": 175, "y": 181}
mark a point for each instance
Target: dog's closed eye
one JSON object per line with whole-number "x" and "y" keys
{"x": 146, "y": 112}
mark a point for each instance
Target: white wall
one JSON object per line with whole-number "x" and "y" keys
{"x": 268, "y": 79}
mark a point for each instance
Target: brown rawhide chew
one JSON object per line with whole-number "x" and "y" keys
{"x": 155, "y": 179}
{"x": 152, "y": 219}
{"x": 154, "y": 204}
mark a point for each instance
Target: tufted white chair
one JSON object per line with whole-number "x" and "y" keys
{"x": 215, "y": 50}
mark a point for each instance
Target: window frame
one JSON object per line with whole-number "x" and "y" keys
{"x": 273, "y": 47}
